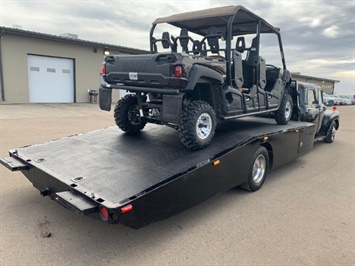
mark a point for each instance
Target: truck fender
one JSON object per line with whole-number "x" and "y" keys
{"x": 328, "y": 117}
{"x": 198, "y": 73}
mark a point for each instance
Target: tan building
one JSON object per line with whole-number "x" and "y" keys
{"x": 44, "y": 68}
{"x": 326, "y": 84}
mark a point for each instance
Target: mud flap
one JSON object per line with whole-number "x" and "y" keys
{"x": 105, "y": 98}
{"x": 171, "y": 111}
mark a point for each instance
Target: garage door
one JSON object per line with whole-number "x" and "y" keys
{"x": 51, "y": 80}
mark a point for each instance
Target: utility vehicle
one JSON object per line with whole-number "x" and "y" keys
{"x": 203, "y": 75}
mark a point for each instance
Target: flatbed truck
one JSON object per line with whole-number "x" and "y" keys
{"x": 136, "y": 180}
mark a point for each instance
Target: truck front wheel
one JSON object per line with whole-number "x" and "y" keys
{"x": 197, "y": 125}
{"x": 127, "y": 115}
{"x": 331, "y": 133}
{"x": 257, "y": 170}
{"x": 284, "y": 113}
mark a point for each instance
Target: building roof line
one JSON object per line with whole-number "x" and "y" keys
{"x": 314, "y": 78}
{"x": 46, "y": 36}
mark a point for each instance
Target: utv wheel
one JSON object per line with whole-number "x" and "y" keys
{"x": 284, "y": 113}
{"x": 197, "y": 125}
{"x": 257, "y": 170}
{"x": 127, "y": 115}
{"x": 331, "y": 133}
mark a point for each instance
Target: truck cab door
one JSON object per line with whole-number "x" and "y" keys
{"x": 315, "y": 107}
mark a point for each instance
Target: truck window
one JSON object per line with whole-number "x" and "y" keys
{"x": 311, "y": 98}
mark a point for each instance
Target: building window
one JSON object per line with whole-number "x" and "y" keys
{"x": 66, "y": 71}
{"x": 51, "y": 70}
{"x": 34, "y": 69}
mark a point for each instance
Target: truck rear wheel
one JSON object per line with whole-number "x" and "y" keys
{"x": 284, "y": 113}
{"x": 257, "y": 170}
{"x": 127, "y": 115}
{"x": 331, "y": 133}
{"x": 197, "y": 125}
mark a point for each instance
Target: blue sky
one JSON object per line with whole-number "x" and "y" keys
{"x": 318, "y": 36}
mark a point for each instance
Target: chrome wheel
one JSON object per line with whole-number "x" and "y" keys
{"x": 288, "y": 110}
{"x": 259, "y": 168}
{"x": 204, "y": 126}
{"x": 333, "y": 134}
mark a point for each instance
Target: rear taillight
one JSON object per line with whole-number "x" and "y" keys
{"x": 104, "y": 213}
{"x": 103, "y": 69}
{"x": 178, "y": 71}
{"x": 127, "y": 208}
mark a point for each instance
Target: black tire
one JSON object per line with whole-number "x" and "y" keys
{"x": 191, "y": 134}
{"x": 331, "y": 133}
{"x": 127, "y": 115}
{"x": 257, "y": 170}
{"x": 284, "y": 113}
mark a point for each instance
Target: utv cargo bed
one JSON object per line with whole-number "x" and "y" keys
{"x": 136, "y": 180}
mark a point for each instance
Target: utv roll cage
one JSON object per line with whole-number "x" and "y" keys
{"x": 214, "y": 24}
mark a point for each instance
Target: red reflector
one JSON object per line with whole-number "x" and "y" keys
{"x": 334, "y": 108}
{"x": 104, "y": 213}
{"x": 178, "y": 71}
{"x": 127, "y": 208}
{"x": 103, "y": 69}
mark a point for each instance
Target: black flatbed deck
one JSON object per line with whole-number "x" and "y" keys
{"x": 113, "y": 168}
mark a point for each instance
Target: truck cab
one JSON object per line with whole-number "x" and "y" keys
{"x": 311, "y": 108}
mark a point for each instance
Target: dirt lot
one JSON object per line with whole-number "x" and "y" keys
{"x": 304, "y": 214}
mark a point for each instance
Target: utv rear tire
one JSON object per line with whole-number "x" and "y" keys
{"x": 331, "y": 133}
{"x": 127, "y": 115}
{"x": 257, "y": 170}
{"x": 197, "y": 125}
{"x": 284, "y": 113}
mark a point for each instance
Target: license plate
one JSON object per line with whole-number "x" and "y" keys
{"x": 133, "y": 75}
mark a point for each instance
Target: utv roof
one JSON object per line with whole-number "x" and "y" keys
{"x": 198, "y": 22}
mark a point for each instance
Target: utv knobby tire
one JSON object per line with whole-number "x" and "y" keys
{"x": 331, "y": 133}
{"x": 284, "y": 113}
{"x": 127, "y": 115}
{"x": 193, "y": 135}
{"x": 257, "y": 170}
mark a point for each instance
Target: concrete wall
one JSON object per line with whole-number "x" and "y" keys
{"x": 87, "y": 65}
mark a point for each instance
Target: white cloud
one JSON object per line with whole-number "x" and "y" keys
{"x": 331, "y": 32}
{"x": 315, "y": 22}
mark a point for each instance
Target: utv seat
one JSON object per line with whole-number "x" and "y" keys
{"x": 272, "y": 74}
{"x": 237, "y": 70}
{"x": 212, "y": 39}
{"x": 184, "y": 39}
{"x": 165, "y": 41}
